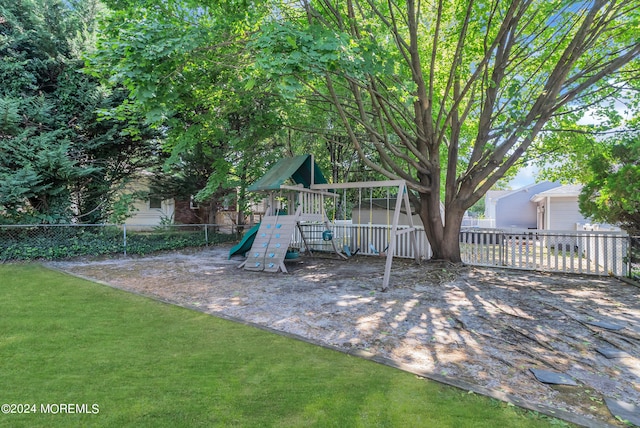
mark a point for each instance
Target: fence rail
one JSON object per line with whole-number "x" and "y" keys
{"x": 583, "y": 252}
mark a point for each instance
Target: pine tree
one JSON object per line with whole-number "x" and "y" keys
{"x": 57, "y": 159}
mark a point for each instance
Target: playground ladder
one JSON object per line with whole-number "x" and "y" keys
{"x": 270, "y": 246}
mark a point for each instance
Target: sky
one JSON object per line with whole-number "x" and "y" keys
{"x": 524, "y": 177}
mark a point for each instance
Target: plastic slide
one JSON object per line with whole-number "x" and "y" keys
{"x": 246, "y": 242}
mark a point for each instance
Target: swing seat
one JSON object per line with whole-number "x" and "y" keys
{"x": 348, "y": 252}
{"x": 373, "y": 249}
{"x": 291, "y": 254}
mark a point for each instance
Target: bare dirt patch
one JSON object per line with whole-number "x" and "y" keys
{"x": 486, "y": 327}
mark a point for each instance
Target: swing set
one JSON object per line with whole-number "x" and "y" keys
{"x": 301, "y": 208}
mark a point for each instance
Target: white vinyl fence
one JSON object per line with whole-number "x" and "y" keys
{"x": 366, "y": 239}
{"x": 583, "y": 252}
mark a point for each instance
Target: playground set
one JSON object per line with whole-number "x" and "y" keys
{"x": 299, "y": 200}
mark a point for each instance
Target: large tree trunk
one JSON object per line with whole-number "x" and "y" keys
{"x": 443, "y": 234}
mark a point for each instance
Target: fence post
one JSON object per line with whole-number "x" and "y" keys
{"x": 124, "y": 238}
{"x": 629, "y": 257}
{"x": 206, "y": 235}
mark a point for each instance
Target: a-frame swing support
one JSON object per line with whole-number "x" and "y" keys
{"x": 402, "y": 198}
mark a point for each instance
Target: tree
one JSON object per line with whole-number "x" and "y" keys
{"x": 57, "y": 161}
{"x": 36, "y": 161}
{"x": 184, "y": 65}
{"x": 450, "y": 95}
{"x": 611, "y": 194}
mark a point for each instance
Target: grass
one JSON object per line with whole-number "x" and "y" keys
{"x": 149, "y": 364}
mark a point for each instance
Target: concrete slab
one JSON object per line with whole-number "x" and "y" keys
{"x": 623, "y": 410}
{"x": 553, "y": 378}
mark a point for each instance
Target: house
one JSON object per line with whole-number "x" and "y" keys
{"x": 557, "y": 208}
{"x": 514, "y": 208}
{"x": 544, "y": 206}
{"x": 151, "y": 212}
{"x": 148, "y": 210}
{"x": 490, "y": 202}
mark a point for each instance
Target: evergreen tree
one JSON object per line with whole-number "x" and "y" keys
{"x": 611, "y": 192}
{"x": 57, "y": 160}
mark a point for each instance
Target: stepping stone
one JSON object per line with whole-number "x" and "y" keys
{"x": 553, "y": 378}
{"x": 625, "y": 411}
{"x": 607, "y": 325}
{"x": 613, "y": 353}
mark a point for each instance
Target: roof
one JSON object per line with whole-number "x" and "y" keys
{"x": 568, "y": 190}
{"x": 499, "y": 194}
{"x": 297, "y": 169}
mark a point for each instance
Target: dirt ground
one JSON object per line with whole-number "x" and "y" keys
{"x": 484, "y": 327}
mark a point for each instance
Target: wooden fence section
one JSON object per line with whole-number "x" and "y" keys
{"x": 583, "y": 252}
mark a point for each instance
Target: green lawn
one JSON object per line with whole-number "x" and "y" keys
{"x": 145, "y": 363}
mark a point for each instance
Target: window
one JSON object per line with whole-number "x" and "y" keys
{"x": 193, "y": 204}
{"x": 155, "y": 203}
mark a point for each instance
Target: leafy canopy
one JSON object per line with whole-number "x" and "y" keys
{"x": 450, "y": 95}
{"x": 184, "y": 66}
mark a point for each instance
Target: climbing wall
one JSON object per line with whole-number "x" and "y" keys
{"x": 271, "y": 243}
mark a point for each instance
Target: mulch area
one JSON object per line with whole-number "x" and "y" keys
{"x": 483, "y": 329}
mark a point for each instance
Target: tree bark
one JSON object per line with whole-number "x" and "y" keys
{"x": 442, "y": 229}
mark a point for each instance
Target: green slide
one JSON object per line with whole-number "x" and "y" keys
{"x": 246, "y": 242}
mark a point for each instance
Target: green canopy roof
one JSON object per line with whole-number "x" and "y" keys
{"x": 297, "y": 169}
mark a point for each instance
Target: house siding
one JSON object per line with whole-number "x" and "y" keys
{"x": 491, "y": 199}
{"x": 145, "y": 216}
{"x": 565, "y": 214}
{"x": 516, "y": 208}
